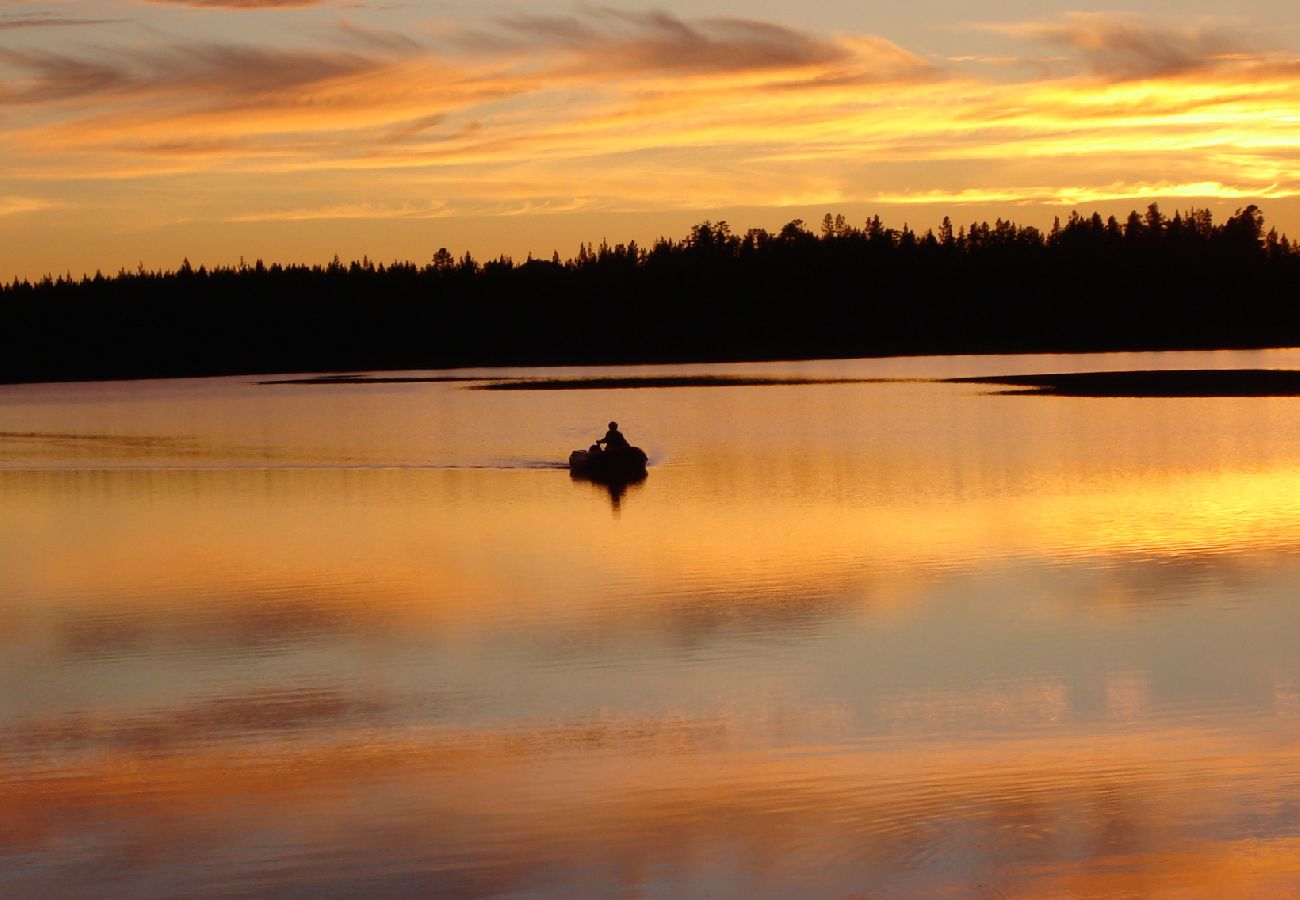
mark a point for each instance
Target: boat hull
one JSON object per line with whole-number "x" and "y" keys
{"x": 608, "y": 465}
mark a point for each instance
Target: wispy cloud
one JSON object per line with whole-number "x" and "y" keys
{"x": 347, "y": 211}
{"x": 1082, "y": 195}
{"x": 48, "y": 20}
{"x": 54, "y": 76}
{"x": 240, "y": 4}
{"x": 607, "y": 40}
{"x": 13, "y": 206}
{"x": 630, "y": 111}
{"x": 658, "y": 41}
{"x": 383, "y": 40}
{"x": 198, "y": 69}
{"x": 1126, "y": 47}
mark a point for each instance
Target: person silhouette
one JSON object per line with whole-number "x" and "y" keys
{"x": 613, "y": 439}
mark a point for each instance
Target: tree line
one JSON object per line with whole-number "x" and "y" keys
{"x": 1150, "y": 281}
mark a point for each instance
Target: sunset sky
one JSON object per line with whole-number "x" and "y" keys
{"x": 291, "y": 130}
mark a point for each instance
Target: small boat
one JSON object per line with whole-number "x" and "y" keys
{"x": 621, "y": 465}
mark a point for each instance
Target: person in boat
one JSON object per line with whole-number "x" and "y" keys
{"x": 613, "y": 439}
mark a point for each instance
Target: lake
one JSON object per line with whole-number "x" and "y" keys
{"x": 883, "y": 638}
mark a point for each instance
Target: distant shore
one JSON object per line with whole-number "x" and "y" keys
{"x": 1151, "y": 282}
{"x": 1148, "y": 383}
{"x": 1108, "y": 383}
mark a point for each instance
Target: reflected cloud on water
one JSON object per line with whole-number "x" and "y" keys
{"x": 884, "y": 636}
{"x": 671, "y": 804}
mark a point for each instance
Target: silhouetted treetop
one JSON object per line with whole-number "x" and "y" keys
{"x": 1150, "y": 282}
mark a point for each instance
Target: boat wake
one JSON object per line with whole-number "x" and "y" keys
{"x": 239, "y": 466}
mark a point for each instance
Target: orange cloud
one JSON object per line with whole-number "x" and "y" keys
{"x": 241, "y": 4}
{"x": 199, "y": 69}
{"x": 618, "y": 111}
{"x": 614, "y": 40}
{"x": 47, "y": 20}
{"x": 1124, "y": 47}
{"x": 12, "y": 206}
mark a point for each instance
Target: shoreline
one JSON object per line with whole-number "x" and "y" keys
{"x": 1060, "y": 384}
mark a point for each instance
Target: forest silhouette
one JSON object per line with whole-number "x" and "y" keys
{"x": 1150, "y": 282}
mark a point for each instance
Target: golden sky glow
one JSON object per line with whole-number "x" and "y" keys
{"x": 144, "y": 132}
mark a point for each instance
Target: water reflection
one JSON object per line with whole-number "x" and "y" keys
{"x": 902, "y": 638}
{"x": 615, "y": 490}
{"x": 671, "y": 805}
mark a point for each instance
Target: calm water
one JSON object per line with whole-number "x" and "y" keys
{"x": 846, "y": 639}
